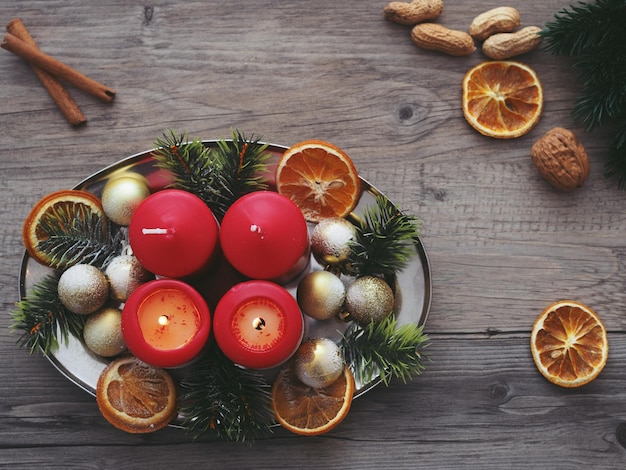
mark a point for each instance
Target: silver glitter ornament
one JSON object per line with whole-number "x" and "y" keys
{"x": 122, "y": 195}
{"x": 125, "y": 273}
{"x": 102, "y": 332}
{"x": 318, "y": 362}
{"x": 368, "y": 299}
{"x": 321, "y": 295}
{"x": 83, "y": 289}
{"x": 330, "y": 242}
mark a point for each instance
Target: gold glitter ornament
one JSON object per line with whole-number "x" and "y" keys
{"x": 122, "y": 195}
{"x": 321, "y": 295}
{"x": 318, "y": 362}
{"x": 102, "y": 332}
{"x": 83, "y": 289}
{"x": 368, "y": 299}
{"x": 125, "y": 273}
{"x": 330, "y": 242}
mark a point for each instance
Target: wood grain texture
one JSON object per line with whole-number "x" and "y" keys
{"x": 502, "y": 242}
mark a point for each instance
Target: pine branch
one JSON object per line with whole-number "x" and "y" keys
{"x": 220, "y": 396}
{"x": 384, "y": 349}
{"x": 43, "y": 320}
{"x": 74, "y": 234}
{"x": 385, "y": 240}
{"x": 219, "y": 176}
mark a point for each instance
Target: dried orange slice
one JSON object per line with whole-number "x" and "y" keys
{"x": 569, "y": 344}
{"x": 58, "y": 207}
{"x": 502, "y": 99}
{"x": 136, "y": 397}
{"x": 311, "y": 411}
{"x": 319, "y": 178}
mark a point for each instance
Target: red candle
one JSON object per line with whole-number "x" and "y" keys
{"x": 165, "y": 323}
{"x": 173, "y": 233}
{"x": 258, "y": 324}
{"x": 264, "y": 236}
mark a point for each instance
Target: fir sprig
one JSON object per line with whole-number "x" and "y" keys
{"x": 219, "y": 396}
{"x": 74, "y": 234}
{"x": 385, "y": 240}
{"x": 219, "y": 176}
{"x": 43, "y": 319}
{"x": 593, "y": 34}
{"x": 385, "y": 349}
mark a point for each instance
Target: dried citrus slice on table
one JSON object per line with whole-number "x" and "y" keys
{"x": 502, "y": 99}
{"x": 311, "y": 411}
{"x": 569, "y": 344}
{"x": 319, "y": 178}
{"x": 60, "y": 207}
{"x": 136, "y": 397}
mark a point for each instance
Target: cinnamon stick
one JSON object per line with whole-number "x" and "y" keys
{"x": 58, "y": 93}
{"x": 57, "y": 68}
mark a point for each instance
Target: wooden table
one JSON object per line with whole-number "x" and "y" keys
{"x": 502, "y": 242}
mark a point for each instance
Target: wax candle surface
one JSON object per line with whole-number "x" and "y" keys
{"x": 165, "y": 323}
{"x": 264, "y": 236}
{"x": 258, "y": 324}
{"x": 173, "y": 233}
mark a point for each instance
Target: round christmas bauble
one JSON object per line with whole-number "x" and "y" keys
{"x": 122, "y": 195}
{"x": 321, "y": 295}
{"x": 318, "y": 362}
{"x": 102, "y": 332}
{"x": 83, "y": 289}
{"x": 331, "y": 240}
{"x": 125, "y": 273}
{"x": 369, "y": 299}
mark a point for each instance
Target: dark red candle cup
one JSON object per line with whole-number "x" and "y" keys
{"x": 173, "y": 233}
{"x": 264, "y": 235}
{"x": 166, "y": 323}
{"x": 258, "y": 324}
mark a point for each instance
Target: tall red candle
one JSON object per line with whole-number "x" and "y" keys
{"x": 264, "y": 236}
{"x": 173, "y": 233}
{"x": 258, "y": 324}
{"x": 165, "y": 323}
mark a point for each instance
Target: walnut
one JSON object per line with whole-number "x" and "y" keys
{"x": 561, "y": 159}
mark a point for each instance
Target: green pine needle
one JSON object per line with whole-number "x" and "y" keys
{"x": 385, "y": 349}
{"x": 594, "y": 36}
{"x": 219, "y": 176}
{"x": 43, "y": 320}
{"x": 219, "y": 396}
{"x": 385, "y": 240}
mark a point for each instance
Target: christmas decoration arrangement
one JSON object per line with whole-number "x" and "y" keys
{"x": 182, "y": 288}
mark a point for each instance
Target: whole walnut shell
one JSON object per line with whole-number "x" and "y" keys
{"x": 561, "y": 159}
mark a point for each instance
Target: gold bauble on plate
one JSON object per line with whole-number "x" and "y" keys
{"x": 330, "y": 242}
{"x": 125, "y": 273}
{"x": 102, "y": 332}
{"x": 369, "y": 299}
{"x": 83, "y": 289}
{"x": 321, "y": 295}
{"x": 318, "y": 362}
{"x": 122, "y": 195}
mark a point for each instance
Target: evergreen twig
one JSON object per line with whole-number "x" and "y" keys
{"x": 386, "y": 349}
{"x": 219, "y": 396}
{"x": 218, "y": 176}
{"x": 42, "y": 318}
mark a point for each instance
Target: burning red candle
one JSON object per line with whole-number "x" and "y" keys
{"x": 258, "y": 324}
{"x": 264, "y": 236}
{"x": 173, "y": 233}
{"x": 165, "y": 323}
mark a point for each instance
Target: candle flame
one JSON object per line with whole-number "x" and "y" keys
{"x": 163, "y": 320}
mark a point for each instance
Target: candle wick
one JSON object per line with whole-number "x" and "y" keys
{"x": 259, "y": 323}
{"x": 157, "y": 231}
